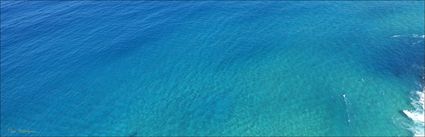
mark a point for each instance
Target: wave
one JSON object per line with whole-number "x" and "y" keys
{"x": 411, "y": 35}
{"x": 417, "y": 115}
{"x": 418, "y": 36}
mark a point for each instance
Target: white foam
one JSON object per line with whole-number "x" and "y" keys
{"x": 414, "y": 116}
{"x": 417, "y": 115}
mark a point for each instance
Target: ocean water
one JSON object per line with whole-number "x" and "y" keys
{"x": 181, "y": 68}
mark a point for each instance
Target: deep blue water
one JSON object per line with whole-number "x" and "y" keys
{"x": 210, "y": 68}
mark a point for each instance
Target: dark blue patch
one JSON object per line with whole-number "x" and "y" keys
{"x": 404, "y": 56}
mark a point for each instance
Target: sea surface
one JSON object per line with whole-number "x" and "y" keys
{"x": 185, "y": 68}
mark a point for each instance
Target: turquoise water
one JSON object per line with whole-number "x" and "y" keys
{"x": 210, "y": 68}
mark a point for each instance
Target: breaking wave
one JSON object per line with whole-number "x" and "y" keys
{"x": 417, "y": 115}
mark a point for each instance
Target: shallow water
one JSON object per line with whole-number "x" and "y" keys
{"x": 210, "y": 68}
